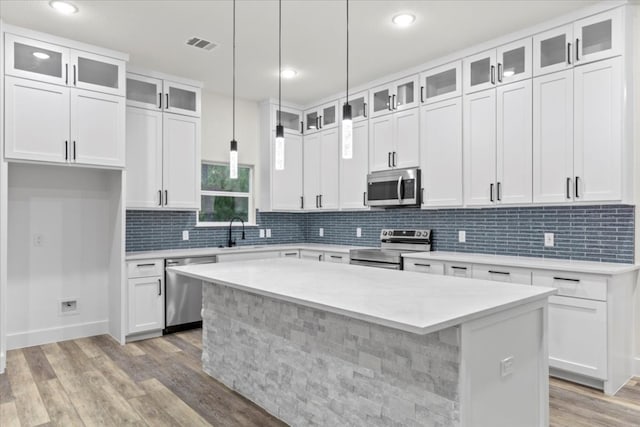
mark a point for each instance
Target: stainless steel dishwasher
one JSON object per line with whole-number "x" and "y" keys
{"x": 183, "y": 296}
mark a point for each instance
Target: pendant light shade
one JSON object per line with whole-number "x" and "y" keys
{"x": 279, "y": 148}
{"x": 347, "y": 123}
{"x": 233, "y": 149}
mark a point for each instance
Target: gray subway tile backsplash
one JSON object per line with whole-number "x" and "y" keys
{"x": 593, "y": 233}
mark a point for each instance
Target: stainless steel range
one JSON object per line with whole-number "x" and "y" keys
{"x": 393, "y": 243}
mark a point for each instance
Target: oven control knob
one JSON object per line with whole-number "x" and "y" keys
{"x": 390, "y": 232}
{"x": 418, "y": 233}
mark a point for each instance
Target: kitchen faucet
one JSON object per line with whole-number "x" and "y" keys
{"x": 231, "y": 243}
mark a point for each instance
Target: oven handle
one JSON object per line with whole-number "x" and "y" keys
{"x": 400, "y": 189}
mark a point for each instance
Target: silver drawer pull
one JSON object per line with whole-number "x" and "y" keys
{"x": 506, "y": 273}
{"x": 146, "y": 265}
{"x": 564, "y": 279}
{"x": 422, "y": 265}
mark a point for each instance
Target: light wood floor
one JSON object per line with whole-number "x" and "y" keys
{"x": 157, "y": 382}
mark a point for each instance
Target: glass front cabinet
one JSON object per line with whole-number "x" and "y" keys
{"x": 400, "y": 95}
{"x": 321, "y": 118}
{"x": 291, "y": 119}
{"x": 506, "y": 64}
{"x": 154, "y": 93}
{"x": 359, "y": 106}
{"x": 441, "y": 83}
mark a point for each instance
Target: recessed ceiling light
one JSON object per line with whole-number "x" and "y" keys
{"x": 403, "y": 19}
{"x": 63, "y": 7}
{"x": 41, "y": 55}
{"x": 289, "y": 73}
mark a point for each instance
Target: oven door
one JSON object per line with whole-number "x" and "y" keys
{"x": 388, "y": 266}
{"x": 398, "y": 187}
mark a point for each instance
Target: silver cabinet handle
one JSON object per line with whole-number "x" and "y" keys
{"x": 159, "y": 287}
{"x": 399, "y": 189}
{"x": 395, "y": 159}
{"x": 500, "y": 72}
{"x": 395, "y": 105}
{"x": 390, "y": 104}
{"x": 493, "y": 74}
{"x": 365, "y": 109}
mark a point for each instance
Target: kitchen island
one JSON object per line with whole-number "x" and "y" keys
{"x": 332, "y": 344}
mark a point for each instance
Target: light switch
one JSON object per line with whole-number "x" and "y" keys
{"x": 268, "y": 233}
{"x": 321, "y": 232}
{"x": 462, "y": 236}
{"x": 549, "y": 239}
{"x": 185, "y": 235}
{"x": 262, "y": 233}
{"x": 506, "y": 366}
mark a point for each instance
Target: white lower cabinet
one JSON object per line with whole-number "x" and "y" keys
{"x": 290, "y": 254}
{"x": 578, "y": 336}
{"x": 245, "y": 256}
{"x": 145, "y": 296}
{"x": 458, "y": 269}
{"x": 337, "y": 257}
{"x": 423, "y": 266}
{"x": 497, "y": 273}
{"x": 311, "y": 255}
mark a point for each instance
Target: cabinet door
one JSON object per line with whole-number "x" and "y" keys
{"x": 514, "y": 143}
{"x": 441, "y": 153}
{"x": 291, "y": 120}
{"x": 480, "y": 71}
{"x": 458, "y": 270}
{"x": 311, "y": 255}
{"x": 329, "y": 176}
{"x": 514, "y": 62}
{"x": 144, "y": 92}
{"x": 441, "y": 83}
{"x": 329, "y": 116}
{"x": 406, "y": 93}
{"x": 578, "y": 336}
{"x": 380, "y": 101}
{"x": 406, "y": 138}
{"x": 337, "y": 257}
{"x": 286, "y": 184}
{"x": 36, "y": 121}
{"x": 553, "y": 50}
{"x": 599, "y": 37}
{"x": 146, "y": 304}
{"x": 311, "y": 121}
{"x": 36, "y": 60}
{"x": 380, "y": 142}
{"x": 97, "y": 128}
{"x": 480, "y": 148}
{"x": 144, "y": 158}
{"x": 598, "y": 131}
{"x": 353, "y": 172}
{"x": 96, "y": 72}
{"x": 498, "y": 273}
{"x": 181, "y": 99}
{"x": 181, "y": 162}
{"x": 311, "y": 170}
{"x": 359, "y": 106}
{"x": 553, "y": 137}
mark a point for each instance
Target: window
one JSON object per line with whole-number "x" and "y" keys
{"x": 223, "y": 198}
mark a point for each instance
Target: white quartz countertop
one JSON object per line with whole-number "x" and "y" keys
{"x": 195, "y": 252}
{"x": 413, "y": 302}
{"x": 526, "y": 262}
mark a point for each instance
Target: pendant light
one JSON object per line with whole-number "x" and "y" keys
{"x": 233, "y": 149}
{"x": 347, "y": 123}
{"x": 279, "y": 154}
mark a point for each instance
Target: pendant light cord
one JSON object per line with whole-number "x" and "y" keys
{"x": 279, "y": 62}
{"x": 234, "y": 72}
{"x": 347, "y": 52}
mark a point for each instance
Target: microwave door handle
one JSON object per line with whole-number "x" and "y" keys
{"x": 400, "y": 189}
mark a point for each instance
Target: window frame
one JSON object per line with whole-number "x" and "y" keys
{"x": 250, "y": 196}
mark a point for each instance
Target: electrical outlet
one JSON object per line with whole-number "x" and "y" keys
{"x": 37, "y": 240}
{"x": 68, "y": 306}
{"x": 262, "y": 233}
{"x": 268, "y": 233}
{"x": 549, "y": 240}
{"x": 185, "y": 235}
{"x": 506, "y": 366}
{"x": 321, "y": 232}
{"x": 358, "y": 232}
{"x": 462, "y": 236}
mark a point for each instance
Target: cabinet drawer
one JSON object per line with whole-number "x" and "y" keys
{"x": 423, "y": 266}
{"x": 311, "y": 255}
{"x": 336, "y": 257}
{"x": 458, "y": 269}
{"x": 145, "y": 268}
{"x": 502, "y": 274}
{"x": 573, "y": 284}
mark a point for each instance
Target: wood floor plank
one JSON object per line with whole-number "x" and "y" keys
{"x": 59, "y": 406}
{"x": 118, "y": 378}
{"x": 9, "y": 415}
{"x": 151, "y": 413}
{"x": 89, "y": 348}
{"x": 193, "y": 336}
{"x": 31, "y": 409}
{"x": 6, "y": 395}
{"x": 38, "y": 364}
{"x": 139, "y": 368}
{"x": 76, "y": 356}
{"x": 64, "y": 369}
{"x": 133, "y": 349}
{"x": 174, "y": 406}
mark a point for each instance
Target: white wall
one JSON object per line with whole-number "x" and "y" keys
{"x": 73, "y": 210}
{"x": 216, "y": 132}
{"x": 636, "y": 145}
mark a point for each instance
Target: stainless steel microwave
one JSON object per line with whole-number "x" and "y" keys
{"x": 394, "y": 188}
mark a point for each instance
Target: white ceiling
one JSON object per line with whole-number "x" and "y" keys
{"x": 154, "y": 34}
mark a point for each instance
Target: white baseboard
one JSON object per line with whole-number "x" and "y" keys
{"x": 636, "y": 367}
{"x": 3, "y": 362}
{"x": 60, "y": 333}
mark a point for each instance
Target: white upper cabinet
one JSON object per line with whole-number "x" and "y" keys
{"x": 97, "y": 129}
{"x": 36, "y": 121}
{"x": 181, "y": 99}
{"x": 312, "y": 170}
{"x": 400, "y": 95}
{"x": 45, "y": 62}
{"x": 180, "y": 176}
{"x": 394, "y": 140}
{"x": 514, "y": 143}
{"x": 286, "y": 184}
{"x": 381, "y": 144}
{"x": 321, "y": 118}
{"x": 321, "y": 184}
{"x": 291, "y": 120}
{"x": 144, "y": 92}
{"x": 353, "y": 172}
{"x": 159, "y": 94}
{"x": 441, "y": 153}
{"x": 598, "y": 131}
{"x": 506, "y": 64}
{"x": 359, "y": 106}
{"x": 591, "y": 39}
{"x": 553, "y": 137}
{"x": 441, "y": 83}
{"x": 599, "y": 37}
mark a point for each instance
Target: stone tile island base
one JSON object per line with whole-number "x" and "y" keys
{"x": 312, "y": 367}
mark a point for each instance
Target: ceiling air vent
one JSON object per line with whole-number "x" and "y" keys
{"x": 201, "y": 43}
